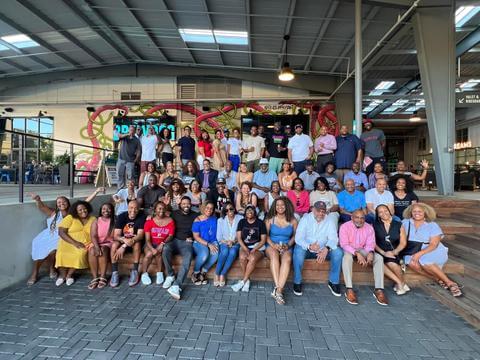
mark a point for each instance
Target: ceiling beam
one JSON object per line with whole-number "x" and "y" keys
{"x": 249, "y": 28}
{"x": 23, "y": 52}
{"x": 35, "y": 11}
{"x": 323, "y": 29}
{"x": 286, "y": 31}
{"x": 405, "y": 89}
{"x": 400, "y": 52}
{"x": 393, "y": 67}
{"x": 39, "y": 41}
{"x": 468, "y": 42}
{"x": 205, "y": 5}
{"x": 15, "y": 65}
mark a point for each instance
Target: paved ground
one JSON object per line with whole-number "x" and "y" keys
{"x": 145, "y": 323}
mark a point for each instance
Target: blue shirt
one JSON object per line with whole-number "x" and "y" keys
{"x": 263, "y": 179}
{"x": 347, "y": 149}
{"x": 359, "y": 179}
{"x": 351, "y": 202}
{"x": 207, "y": 229}
{"x": 187, "y": 148}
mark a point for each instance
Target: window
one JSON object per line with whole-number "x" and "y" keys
{"x": 20, "y": 41}
{"x": 216, "y": 36}
{"x": 461, "y": 135}
{"x": 130, "y": 95}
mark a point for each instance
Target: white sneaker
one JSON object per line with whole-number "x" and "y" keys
{"x": 59, "y": 281}
{"x": 246, "y": 287}
{"x": 146, "y": 279}
{"x": 168, "y": 282}
{"x": 238, "y": 286}
{"x": 159, "y": 280}
{"x": 406, "y": 287}
{"x": 400, "y": 291}
{"x": 70, "y": 281}
{"x": 174, "y": 291}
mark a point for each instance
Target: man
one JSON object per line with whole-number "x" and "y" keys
{"x": 357, "y": 239}
{"x": 360, "y": 179}
{"x": 254, "y": 146}
{"x": 229, "y": 176}
{"x": 129, "y": 152}
{"x": 262, "y": 179}
{"x": 139, "y": 132}
{"x": 378, "y": 196}
{"x": 207, "y": 177}
{"x": 349, "y": 150}
{"x": 374, "y": 144}
{"x": 350, "y": 200}
{"x": 220, "y": 196}
{"x": 300, "y": 149}
{"x": 276, "y": 145}
{"x": 288, "y": 131}
{"x": 149, "y": 148}
{"x": 182, "y": 243}
{"x": 402, "y": 172}
{"x": 149, "y": 194}
{"x": 127, "y": 237}
{"x": 309, "y": 176}
{"x": 316, "y": 238}
{"x": 325, "y": 145}
{"x": 186, "y": 146}
{"x": 234, "y": 145}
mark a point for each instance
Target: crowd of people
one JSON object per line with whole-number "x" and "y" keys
{"x": 290, "y": 199}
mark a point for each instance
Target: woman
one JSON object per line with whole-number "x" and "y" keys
{"x": 151, "y": 170}
{"x": 189, "y": 172}
{"x": 101, "y": 236}
{"x": 390, "y": 239}
{"x": 74, "y": 231}
{"x": 281, "y": 226}
{"x": 204, "y": 149}
{"x": 164, "y": 146}
{"x": 205, "y": 246}
{"x": 299, "y": 197}
{"x": 245, "y": 197}
{"x": 403, "y": 196}
{"x": 124, "y": 196}
{"x": 228, "y": 246}
{"x": 425, "y": 254}
{"x": 323, "y": 193}
{"x": 158, "y": 230}
{"x": 219, "y": 151}
{"x": 234, "y": 148}
{"x": 331, "y": 177}
{"x": 174, "y": 195}
{"x": 286, "y": 176}
{"x": 274, "y": 193}
{"x": 167, "y": 177}
{"x": 251, "y": 235}
{"x": 196, "y": 195}
{"x": 243, "y": 175}
{"x": 376, "y": 175}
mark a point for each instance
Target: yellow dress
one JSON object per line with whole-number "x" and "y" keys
{"x": 68, "y": 255}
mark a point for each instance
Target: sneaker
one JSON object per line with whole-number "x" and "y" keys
{"x": 196, "y": 279}
{"x": 59, "y": 281}
{"x": 406, "y": 287}
{"x": 203, "y": 277}
{"x": 238, "y": 286}
{"x": 133, "y": 280}
{"x": 146, "y": 279}
{"x": 380, "y": 296}
{"x": 159, "y": 280}
{"x": 334, "y": 289}
{"x": 297, "y": 289}
{"x": 400, "y": 291}
{"x": 70, "y": 281}
{"x": 115, "y": 280}
{"x": 351, "y": 297}
{"x": 174, "y": 291}
{"x": 168, "y": 282}
{"x": 246, "y": 286}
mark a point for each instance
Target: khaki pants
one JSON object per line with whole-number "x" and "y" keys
{"x": 347, "y": 264}
{"x": 341, "y": 174}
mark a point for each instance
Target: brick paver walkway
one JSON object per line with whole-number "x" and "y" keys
{"x": 145, "y": 323}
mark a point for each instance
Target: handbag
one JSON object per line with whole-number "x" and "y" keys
{"x": 412, "y": 246}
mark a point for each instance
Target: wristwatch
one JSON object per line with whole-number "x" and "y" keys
{"x": 328, "y": 248}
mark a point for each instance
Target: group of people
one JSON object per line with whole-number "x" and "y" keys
{"x": 274, "y": 204}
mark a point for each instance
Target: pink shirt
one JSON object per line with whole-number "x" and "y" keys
{"x": 104, "y": 237}
{"x": 353, "y": 238}
{"x": 301, "y": 205}
{"x": 329, "y": 144}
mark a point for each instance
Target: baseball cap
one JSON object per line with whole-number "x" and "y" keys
{"x": 288, "y": 127}
{"x": 226, "y": 130}
{"x": 263, "y": 161}
{"x": 320, "y": 205}
{"x": 250, "y": 206}
{"x": 366, "y": 121}
{"x": 299, "y": 126}
{"x": 221, "y": 181}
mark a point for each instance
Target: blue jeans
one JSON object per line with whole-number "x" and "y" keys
{"x": 235, "y": 159}
{"x": 335, "y": 257}
{"x": 204, "y": 258}
{"x": 226, "y": 257}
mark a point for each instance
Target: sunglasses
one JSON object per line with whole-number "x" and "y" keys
{"x": 230, "y": 209}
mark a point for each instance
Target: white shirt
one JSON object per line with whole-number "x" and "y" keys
{"x": 227, "y": 231}
{"x": 149, "y": 146}
{"x": 374, "y": 197}
{"x": 257, "y": 142}
{"x": 328, "y": 197}
{"x": 300, "y": 146}
{"x": 230, "y": 180}
{"x": 310, "y": 231}
{"x": 234, "y": 146}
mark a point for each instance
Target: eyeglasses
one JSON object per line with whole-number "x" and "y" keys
{"x": 230, "y": 209}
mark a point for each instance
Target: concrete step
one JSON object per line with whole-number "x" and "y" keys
{"x": 449, "y": 203}
{"x": 453, "y": 226}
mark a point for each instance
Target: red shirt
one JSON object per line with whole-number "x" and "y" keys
{"x": 207, "y": 146}
{"x": 159, "y": 233}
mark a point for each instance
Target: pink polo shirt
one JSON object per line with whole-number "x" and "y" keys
{"x": 352, "y": 238}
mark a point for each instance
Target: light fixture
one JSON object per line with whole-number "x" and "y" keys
{"x": 8, "y": 109}
{"x": 286, "y": 73}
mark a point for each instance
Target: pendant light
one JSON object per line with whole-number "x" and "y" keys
{"x": 286, "y": 73}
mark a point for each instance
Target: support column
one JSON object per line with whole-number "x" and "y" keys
{"x": 358, "y": 67}
{"x": 345, "y": 108}
{"x": 434, "y": 29}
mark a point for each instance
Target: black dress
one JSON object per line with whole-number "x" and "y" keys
{"x": 388, "y": 241}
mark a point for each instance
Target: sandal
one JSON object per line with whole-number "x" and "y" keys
{"x": 102, "y": 282}
{"x": 279, "y": 298}
{"x": 443, "y": 284}
{"x": 93, "y": 284}
{"x": 455, "y": 290}
{"x": 31, "y": 281}
{"x": 53, "y": 275}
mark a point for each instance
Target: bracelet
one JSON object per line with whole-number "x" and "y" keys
{"x": 124, "y": 246}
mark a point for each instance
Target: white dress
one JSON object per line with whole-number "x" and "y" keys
{"x": 45, "y": 242}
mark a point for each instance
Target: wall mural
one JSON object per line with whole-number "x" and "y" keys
{"x": 224, "y": 116}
